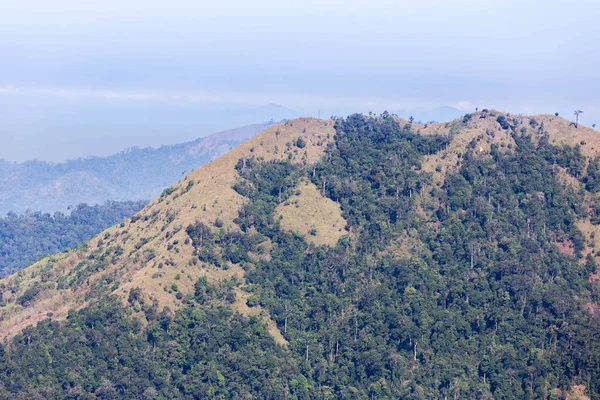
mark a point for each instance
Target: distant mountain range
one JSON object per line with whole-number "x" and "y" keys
{"x": 58, "y": 129}
{"x": 133, "y": 174}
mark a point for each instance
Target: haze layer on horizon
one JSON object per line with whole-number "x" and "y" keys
{"x": 82, "y": 78}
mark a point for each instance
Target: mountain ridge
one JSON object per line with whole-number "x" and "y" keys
{"x": 219, "y": 201}
{"x": 133, "y": 174}
{"x": 207, "y": 195}
{"x": 448, "y": 239}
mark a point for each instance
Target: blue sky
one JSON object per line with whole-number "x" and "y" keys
{"x": 72, "y": 71}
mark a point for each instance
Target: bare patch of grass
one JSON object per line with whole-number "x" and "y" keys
{"x": 316, "y": 217}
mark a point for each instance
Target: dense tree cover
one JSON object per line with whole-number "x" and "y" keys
{"x": 28, "y": 237}
{"x": 490, "y": 306}
{"x": 488, "y": 300}
{"x": 203, "y": 351}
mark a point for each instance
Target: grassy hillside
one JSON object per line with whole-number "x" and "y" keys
{"x": 135, "y": 174}
{"x": 150, "y": 249}
{"x": 365, "y": 257}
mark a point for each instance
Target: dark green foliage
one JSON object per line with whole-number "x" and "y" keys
{"x": 503, "y": 122}
{"x": 97, "y": 261}
{"x": 482, "y": 310}
{"x": 567, "y": 157}
{"x": 167, "y": 192}
{"x": 267, "y": 184}
{"x": 486, "y": 303}
{"x": 373, "y": 171}
{"x": 592, "y": 179}
{"x": 204, "y": 242}
{"x": 200, "y": 234}
{"x": 30, "y": 294}
{"x": 202, "y": 351}
{"x": 26, "y": 238}
{"x": 231, "y": 246}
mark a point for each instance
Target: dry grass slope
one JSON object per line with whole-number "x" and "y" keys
{"x": 309, "y": 213}
{"x": 151, "y": 250}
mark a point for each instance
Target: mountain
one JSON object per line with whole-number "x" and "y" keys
{"x": 25, "y": 238}
{"x": 134, "y": 174}
{"x": 365, "y": 257}
{"x": 57, "y": 129}
{"x": 442, "y": 114}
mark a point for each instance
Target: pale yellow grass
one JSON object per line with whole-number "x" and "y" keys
{"x": 404, "y": 246}
{"x": 313, "y": 215}
{"x": 486, "y": 131}
{"x": 209, "y": 197}
{"x": 560, "y": 130}
{"x": 567, "y": 179}
{"x": 577, "y": 393}
{"x": 242, "y": 307}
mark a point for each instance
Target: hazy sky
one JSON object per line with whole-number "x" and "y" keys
{"x": 73, "y": 70}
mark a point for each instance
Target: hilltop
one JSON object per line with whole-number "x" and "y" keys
{"x": 134, "y": 174}
{"x": 366, "y": 257}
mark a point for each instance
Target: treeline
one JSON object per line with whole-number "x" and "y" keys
{"x": 27, "y": 237}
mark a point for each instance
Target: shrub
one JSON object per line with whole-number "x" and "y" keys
{"x": 252, "y": 301}
{"x": 503, "y": 122}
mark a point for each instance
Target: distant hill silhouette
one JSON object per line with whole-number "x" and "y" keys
{"x": 133, "y": 174}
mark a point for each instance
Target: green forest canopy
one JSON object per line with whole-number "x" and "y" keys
{"x": 486, "y": 306}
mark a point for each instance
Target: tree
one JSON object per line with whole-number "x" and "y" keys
{"x": 577, "y": 112}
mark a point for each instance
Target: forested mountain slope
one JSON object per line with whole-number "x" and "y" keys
{"x": 26, "y": 237}
{"x": 359, "y": 258}
{"x": 134, "y": 174}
